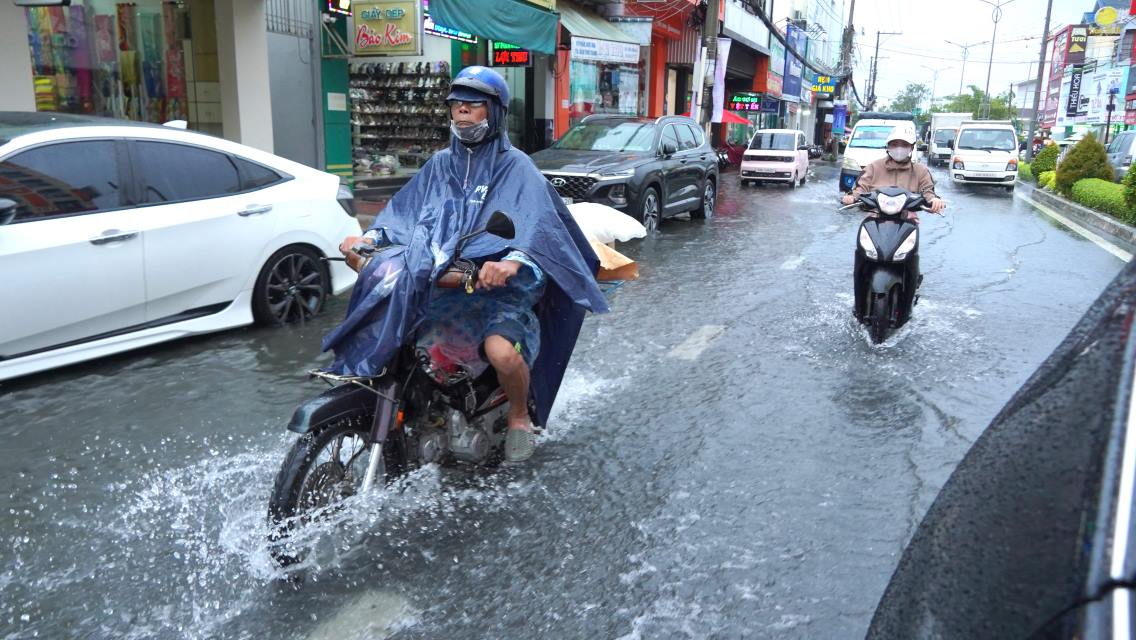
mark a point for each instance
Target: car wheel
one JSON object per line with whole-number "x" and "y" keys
{"x": 708, "y": 200}
{"x": 804, "y": 178}
{"x": 291, "y": 287}
{"x": 650, "y": 211}
{"x": 793, "y": 182}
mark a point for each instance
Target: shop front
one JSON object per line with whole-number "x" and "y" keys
{"x": 748, "y": 65}
{"x": 148, "y": 60}
{"x": 606, "y": 69}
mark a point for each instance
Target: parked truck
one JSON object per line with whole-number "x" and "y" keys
{"x": 944, "y": 129}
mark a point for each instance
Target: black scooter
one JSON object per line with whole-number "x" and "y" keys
{"x": 886, "y": 275}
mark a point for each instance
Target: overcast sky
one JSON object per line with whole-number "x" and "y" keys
{"x": 926, "y": 25}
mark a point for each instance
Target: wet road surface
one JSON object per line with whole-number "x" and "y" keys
{"x": 729, "y": 456}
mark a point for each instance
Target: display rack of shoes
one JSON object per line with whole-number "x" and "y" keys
{"x": 398, "y": 114}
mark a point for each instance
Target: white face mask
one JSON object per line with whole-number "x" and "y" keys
{"x": 899, "y": 154}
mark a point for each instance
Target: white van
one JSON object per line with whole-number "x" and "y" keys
{"x": 776, "y": 155}
{"x": 868, "y": 143}
{"x": 986, "y": 153}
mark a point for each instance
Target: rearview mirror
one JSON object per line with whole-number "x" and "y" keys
{"x": 803, "y": 147}
{"x": 950, "y": 144}
{"x": 923, "y": 147}
{"x": 669, "y": 149}
{"x": 501, "y": 225}
{"x": 7, "y": 211}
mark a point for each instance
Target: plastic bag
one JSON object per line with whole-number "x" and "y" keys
{"x": 604, "y": 224}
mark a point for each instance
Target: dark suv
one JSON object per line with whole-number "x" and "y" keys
{"x": 648, "y": 168}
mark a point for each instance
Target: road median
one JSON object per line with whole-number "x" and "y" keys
{"x": 1111, "y": 229}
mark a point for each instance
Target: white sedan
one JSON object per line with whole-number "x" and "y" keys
{"x": 118, "y": 235}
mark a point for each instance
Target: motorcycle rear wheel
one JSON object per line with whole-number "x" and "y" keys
{"x": 323, "y": 467}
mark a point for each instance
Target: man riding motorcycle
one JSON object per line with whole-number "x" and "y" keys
{"x": 525, "y": 312}
{"x": 897, "y": 169}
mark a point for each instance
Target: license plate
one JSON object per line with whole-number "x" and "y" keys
{"x": 567, "y": 200}
{"x": 987, "y": 174}
{"x": 767, "y": 171}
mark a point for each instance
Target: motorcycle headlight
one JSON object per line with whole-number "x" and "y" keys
{"x": 849, "y": 163}
{"x": 907, "y": 245}
{"x": 891, "y": 205}
{"x": 867, "y": 245}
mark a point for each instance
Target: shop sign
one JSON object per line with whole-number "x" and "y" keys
{"x": 776, "y": 56}
{"x": 839, "y": 118}
{"x": 773, "y": 84}
{"x": 1078, "y": 42}
{"x": 1073, "y": 104}
{"x": 745, "y": 101}
{"x": 342, "y": 7}
{"x": 793, "y": 66}
{"x": 604, "y": 50}
{"x": 822, "y": 84}
{"x": 432, "y": 28}
{"x": 503, "y": 54}
{"x": 1130, "y": 117}
{"x": 770, "y": 105}
{"x": 387, "y": 28}
{"x": 635, "y": 27}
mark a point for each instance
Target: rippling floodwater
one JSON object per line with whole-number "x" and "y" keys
{"x": 729, "y": 456}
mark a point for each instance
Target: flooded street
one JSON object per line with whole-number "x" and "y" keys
{"x": 729, "y": 456}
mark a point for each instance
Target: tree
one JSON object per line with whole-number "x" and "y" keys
{"x": 1087, "y": 159}
{"x": 1001, "y": 107}
{"x": 911, "y": 97}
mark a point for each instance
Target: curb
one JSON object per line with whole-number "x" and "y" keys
{"x": 1119, "y": 232}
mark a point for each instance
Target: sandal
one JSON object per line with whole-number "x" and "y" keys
{"x": 519, "y": 445}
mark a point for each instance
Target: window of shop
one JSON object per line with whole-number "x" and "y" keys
{"x": 138, "y": 61}
{"x": 600, "y": 87}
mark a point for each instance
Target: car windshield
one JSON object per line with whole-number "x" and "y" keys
{"x": 871, "y": 136}
{"x": 988, "y": 140}
{"x": 943, "y": 136}
{"x": 773, "y": 141}
{"x": 609, "y": 136}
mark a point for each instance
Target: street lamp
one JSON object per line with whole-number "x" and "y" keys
{"x": 996, "y": 15}
{"x": 965, "y": 53}
{"x": 934, "y": 81}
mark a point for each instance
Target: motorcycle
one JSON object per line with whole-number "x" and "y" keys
{"x": 887, "y": 276}
{"x": 364, "y": 431}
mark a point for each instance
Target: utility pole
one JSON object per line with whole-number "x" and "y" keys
{"x": 710, "y": 41}
{"x": 996, "y": 16}
{"x": 876, "y": 66}
{"x": 846, "y": 69}
{"x": 934, "y": 81}
{"x": 1037, "y": 94}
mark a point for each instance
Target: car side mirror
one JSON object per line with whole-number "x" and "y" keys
{"x": 7, "y": 211}
{"x": 950, "y": 144}
{"x": 669, "y": 149}
{"x": 803, "y": 147}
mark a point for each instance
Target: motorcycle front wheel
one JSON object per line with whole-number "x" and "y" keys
{"x": 324, "y": 467}
{"x": 880, "y": 320}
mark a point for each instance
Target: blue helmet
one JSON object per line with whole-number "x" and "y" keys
{"x": 479, "y": 83}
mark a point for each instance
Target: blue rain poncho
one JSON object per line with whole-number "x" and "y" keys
{"x": 454, "y": 194}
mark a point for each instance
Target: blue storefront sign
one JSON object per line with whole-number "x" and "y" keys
{"x": 839, "y": 119}
{"x": 793, "y": 68}
{"x": 770, "y": 105}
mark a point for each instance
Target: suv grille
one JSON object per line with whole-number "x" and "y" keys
{"x": 575, "y": 187}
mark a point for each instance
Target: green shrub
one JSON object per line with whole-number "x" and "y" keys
{"x": 1102, "y": 195}
{"x": 1024, "y": 171}
{"x": 1087, "y": 159}
{"x": 1130, "y": 187}
{"x": 1045, "y": 160}
{"x": 1046, "y": 178}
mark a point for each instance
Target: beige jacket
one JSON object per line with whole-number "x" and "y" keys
{"x": 886, "y": 172}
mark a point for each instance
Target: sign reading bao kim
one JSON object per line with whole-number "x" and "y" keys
{"x": 387, "y": 28}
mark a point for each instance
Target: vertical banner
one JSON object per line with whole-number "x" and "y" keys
{"x": 839, "y": 117}
{"x": 1073, "y": 104}
{"x": 720, "y": 78}
{"x": 696, "y": 90}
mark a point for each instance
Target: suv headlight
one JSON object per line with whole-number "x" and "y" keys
{"x": 907, "y": 245}
{"x": 849, "y": 163}
{"x": 867, "y": 245}
{"x": 616, "y": 173}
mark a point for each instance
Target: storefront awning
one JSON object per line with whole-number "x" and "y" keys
{"x": 510, "y": 21}
{"x": 585, "y": 24}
